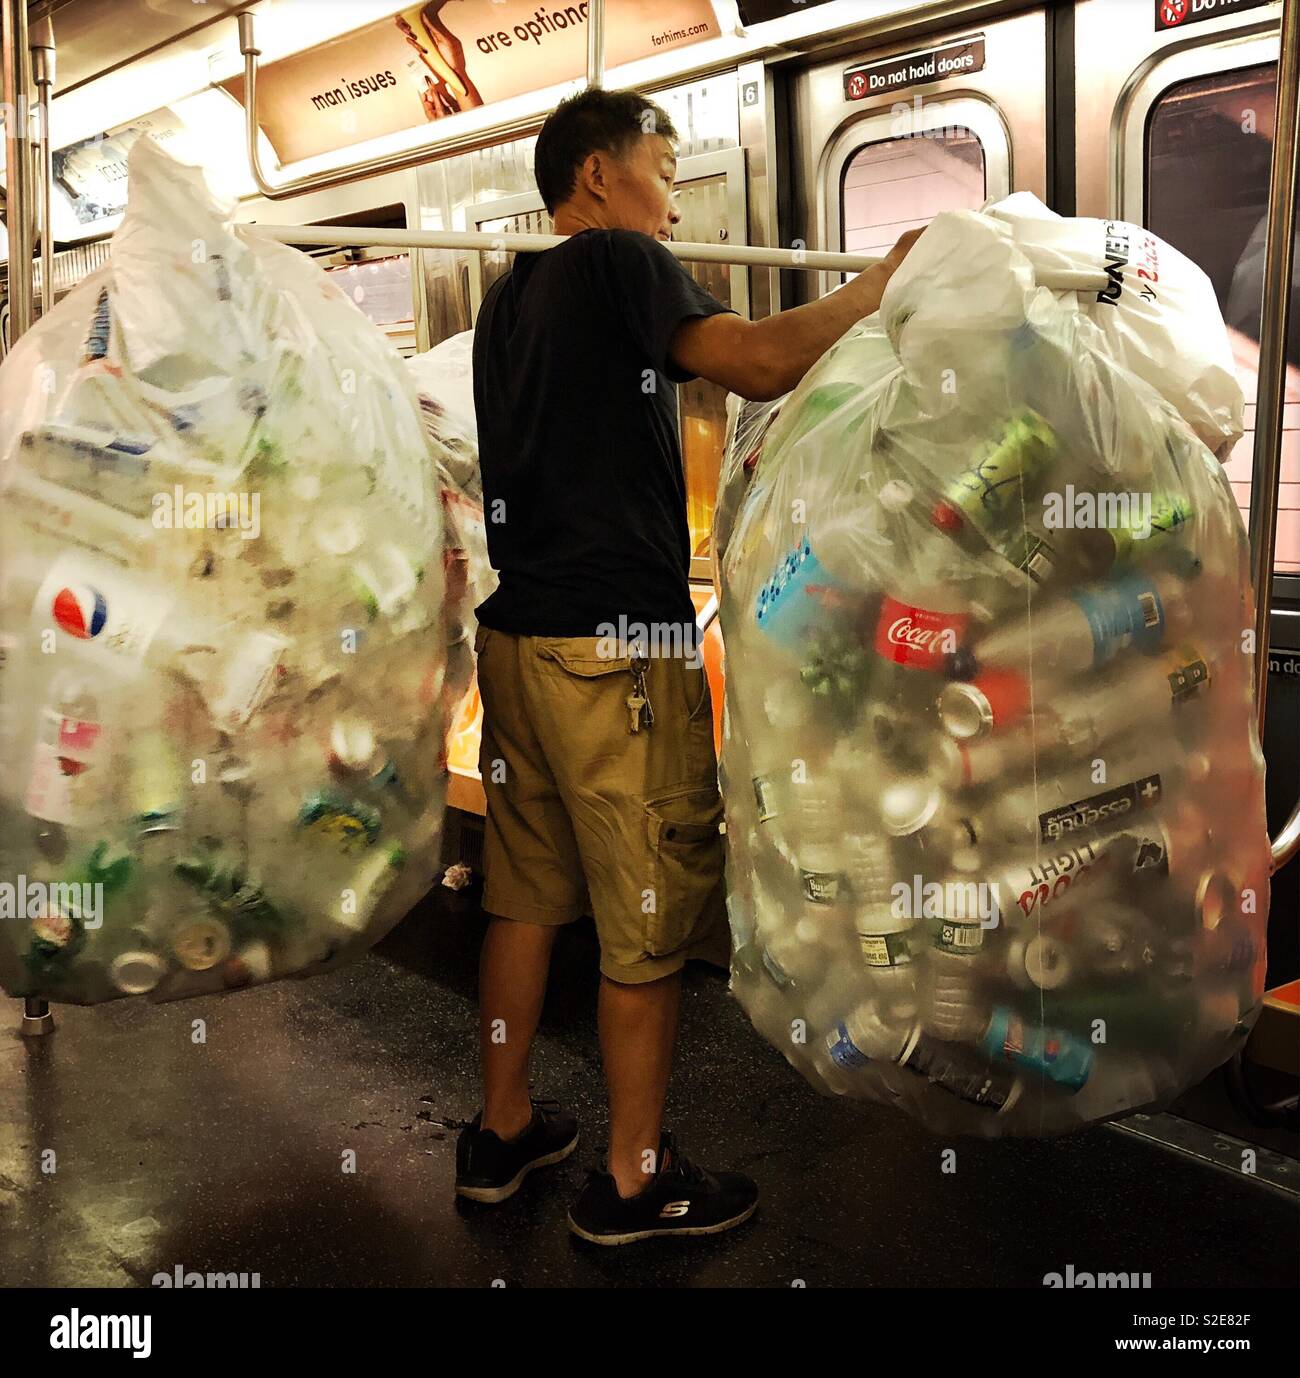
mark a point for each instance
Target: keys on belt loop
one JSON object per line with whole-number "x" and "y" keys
{"x": 640, "y": 713}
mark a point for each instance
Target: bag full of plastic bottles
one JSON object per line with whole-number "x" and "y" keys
{"x": 997, "y": 850}
{"x": 221, "y": 619}
{"x": 444, "y": 380}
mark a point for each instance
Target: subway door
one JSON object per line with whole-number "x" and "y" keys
{"x": 887, "y": 137}
{"x": 1176, "y": 105}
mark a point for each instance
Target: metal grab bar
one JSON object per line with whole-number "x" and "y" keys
{"x": 743, "y": 255}
{"x": 1271, "y": 396}
{"x": 18, "y": 60}
{"x": 360, "y": 236}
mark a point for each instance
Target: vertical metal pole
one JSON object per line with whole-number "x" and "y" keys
{"x": 37, "y": 1018}
{"x": 42, "y": 48}
{"x": 596, "y": 43}
{"x": 1272, "y": 343}
{"x": 18, "y": 213}
{"x": 18, "y": 216}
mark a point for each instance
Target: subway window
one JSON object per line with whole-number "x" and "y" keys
{"x": 1208, "y": 149}
{"x": 894, "y": 185}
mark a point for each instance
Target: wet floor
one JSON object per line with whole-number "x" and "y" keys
{"x": 228, "y": 1155}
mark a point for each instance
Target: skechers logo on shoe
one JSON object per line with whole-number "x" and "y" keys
{"x": 674, "y": 1209}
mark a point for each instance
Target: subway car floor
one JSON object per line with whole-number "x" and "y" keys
{"x": 228, "y": 1155}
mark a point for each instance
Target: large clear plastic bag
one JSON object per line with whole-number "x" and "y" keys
{"x": 445, "y": 381}
{"x": 221, "y": 615}
{"x": 995, "y": 821}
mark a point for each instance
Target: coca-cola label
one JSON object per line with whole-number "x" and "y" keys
{"x": 63, "y": 787}
{"x": 918, "y": 637}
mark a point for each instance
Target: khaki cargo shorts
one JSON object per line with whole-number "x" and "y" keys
{"x": 586, "y": 816}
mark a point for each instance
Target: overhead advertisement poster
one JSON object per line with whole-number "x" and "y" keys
{"x": 93, "y": 171}
{"x": 436, "y": 59}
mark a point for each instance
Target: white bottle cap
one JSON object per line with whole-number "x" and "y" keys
{"x": 134, "y": 973}
{"x": 908, "y": 804}
{"x": 895, "y": 495}
{"x": 1047, "y": 963}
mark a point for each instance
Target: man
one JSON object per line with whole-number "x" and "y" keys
{"x": 599, "y": 767}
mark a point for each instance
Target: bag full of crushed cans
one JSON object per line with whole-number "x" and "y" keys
{"x": 222, "y": 619}
{"x": 997, "y": 850}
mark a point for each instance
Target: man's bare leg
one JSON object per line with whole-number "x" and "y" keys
{"x": 513, "y": 967}
{"x": 638, "y": 1027}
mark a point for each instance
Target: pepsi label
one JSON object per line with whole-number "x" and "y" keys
{"x": 99, "y": 606}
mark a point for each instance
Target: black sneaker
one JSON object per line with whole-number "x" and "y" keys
{"x": 490, "y": 1169}
{"x": 682, "y": 1200}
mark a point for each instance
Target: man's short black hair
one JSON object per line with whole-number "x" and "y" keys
{"x": 593, "y": 121}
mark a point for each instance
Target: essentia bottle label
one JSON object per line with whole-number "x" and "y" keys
{"x": 918, "y": 637}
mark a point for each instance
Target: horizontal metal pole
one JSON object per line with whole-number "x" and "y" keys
{"x": 1271, "y": 396}
{"x": 360, "y": 237}
{"x": 743, "y": 255}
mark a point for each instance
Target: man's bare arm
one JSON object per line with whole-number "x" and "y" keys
{"x": 763, "y": 359}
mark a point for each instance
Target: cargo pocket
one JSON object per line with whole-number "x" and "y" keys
{"x": 578, "y": 655}
{"x": 687, "y": 864}
{"x": 584, "y": 706}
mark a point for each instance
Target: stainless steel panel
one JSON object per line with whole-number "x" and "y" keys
{"x": 755, "y": 93}
{"x": 1125, "y": 84}
{"x": 96, "y": 36}
{"x": 1118, "y": 47}
{"x": 1005, "y": 104}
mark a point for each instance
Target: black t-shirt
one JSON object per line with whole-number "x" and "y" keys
{"x": 583, "y": 489}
